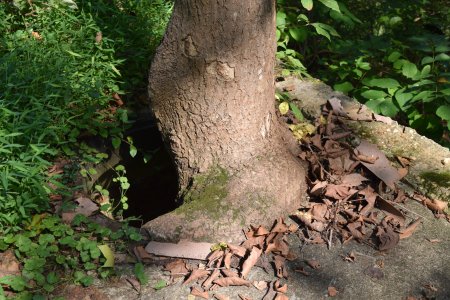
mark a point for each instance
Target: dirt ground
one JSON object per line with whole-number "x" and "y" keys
{"x": 417, "y": 267}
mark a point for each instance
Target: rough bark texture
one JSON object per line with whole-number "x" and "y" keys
{"x": 212, "y": 90}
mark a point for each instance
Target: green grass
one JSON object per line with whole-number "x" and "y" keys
{"x": 57, "y": 81}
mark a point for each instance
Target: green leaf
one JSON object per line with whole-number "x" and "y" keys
{"x": 320, "y": 30}
{"x": 394, "y": 56}
{"x": 307, "y": 4}
{"x": 283, "y": 108}
{"x": 443, "y": 112}
{"x": 73, "y": 53}
{"x": 442, "y": 57}
{"x": 281, "y": 19}
{"x": 299, "y": 33}
{"x": 108, "y": 254}
{"x": 383, "y": 106}
{"x": 52, "y": 278}
{"x": 409, "y": 69}
{"x": 133, "y": 151}
{"x": 403, "y": 98}
{"x": 373, "y": 94}
{"x": 296, "y": 111}
{"x": 17, "y": 283}
{"x": 332, "y": 4}
{"x": 160, "y": 285}
{"x": 344, "y": 87}
{"x": 116, "y": 142}
{"x": 385, "y": 83}
{"x": 425, "y": 71}
{"x": 139, "y": 272}
{"x": 427, "y": 60}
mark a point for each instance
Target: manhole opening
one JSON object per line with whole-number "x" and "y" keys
{"x": 153, "y": 185}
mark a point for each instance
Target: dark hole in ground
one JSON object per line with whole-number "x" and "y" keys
{"x": 153, "y": 185}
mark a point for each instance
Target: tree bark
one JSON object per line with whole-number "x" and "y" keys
{"x": 212, "y": 92}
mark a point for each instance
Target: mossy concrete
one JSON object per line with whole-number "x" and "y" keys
{"x": 429, "y": 168}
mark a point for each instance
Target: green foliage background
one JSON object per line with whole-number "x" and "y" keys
{"x": 390, "y": 55}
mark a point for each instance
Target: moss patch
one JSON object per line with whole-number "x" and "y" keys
{"x": 440, "y": 179}
{"x": 206, "y": 194}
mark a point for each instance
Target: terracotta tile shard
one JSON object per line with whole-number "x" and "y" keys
{"x": 199, "y": 293}
{"x": 250, "y": 261}
{"x": 195, "y": 275}
{"x": 183, "y": 249}
{"x": 232, "y": 281}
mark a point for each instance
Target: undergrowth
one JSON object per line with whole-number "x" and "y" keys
{"x": 69, "y": 73}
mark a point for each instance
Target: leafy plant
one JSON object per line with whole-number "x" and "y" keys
{"x": 53, "y": 252}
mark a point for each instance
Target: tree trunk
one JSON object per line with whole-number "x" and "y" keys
{"x": 212, "y": 92}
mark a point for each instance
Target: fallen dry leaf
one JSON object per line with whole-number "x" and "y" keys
{"x": 281, "y": 296}
{"x": 141, "y": 254}
{"x": 279, "y": 226}
{"x": 250, "y": 261}
{"x": 315, "y": 264}
{"x": 9, "y": 265}
{"x": 261, "y": 285}
{"x": 234, "y": 281}
{"x": 261, "y": 231}
{"x": 195, "y": 275}
{"x": 280, "y": 268}
{"x": 332, "y": 291}
{"x": 227, "y": 260}
{"x": 177, "y": 268}
{"x": 230, "y": 273}
{"x": 436, "y": 205}
{"x": 208, "y": 282}
{"x": 301, "y": 271}
{"x": 243, "y": 297}
{"x": 237, "y": 250}
{"x": 199, "y": 293}
{"x": 221, "y": 297}
{"x": 278, "y": 287}
{"x": 388, "y": 239}
{"x": 381, "y": 167}
{"x": 374, "y": 272}
{"x": 390, "y": 210}
{"x": 408, "y": 231}
{"x": 434, "y": 240}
